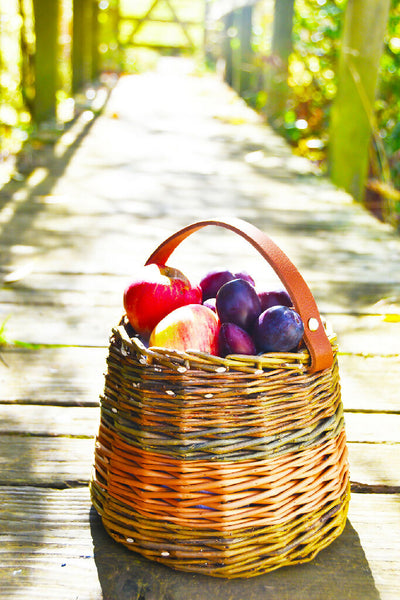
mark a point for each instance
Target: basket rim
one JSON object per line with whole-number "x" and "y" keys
{"x": 182, "y": 361}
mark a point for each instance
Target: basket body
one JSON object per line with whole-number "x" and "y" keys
{"x": 229, "y": 467}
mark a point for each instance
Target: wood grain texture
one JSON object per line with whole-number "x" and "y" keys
{"x": 68, "y": 245}
{"x": 60, "y": 549}
{"x": 57, "y": 376}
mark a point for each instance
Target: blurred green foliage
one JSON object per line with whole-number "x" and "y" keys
{"x": 388, "y": 100}
{"x": 14, "y": 116}
{"x": 317, "y": 31}
{"x": 116, "y": 22}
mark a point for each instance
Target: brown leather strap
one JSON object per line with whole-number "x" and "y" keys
{"x": 314, "y": 333}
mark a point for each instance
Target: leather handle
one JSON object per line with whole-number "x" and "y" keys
{"x": 315, "y": 337}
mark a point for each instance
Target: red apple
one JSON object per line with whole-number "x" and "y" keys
{"x": 191, "y": 327}
{"x": 158, "y": 290}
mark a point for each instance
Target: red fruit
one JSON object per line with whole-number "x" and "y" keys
{"x": 157, "y": 291}
{"x": 192, "y": 327}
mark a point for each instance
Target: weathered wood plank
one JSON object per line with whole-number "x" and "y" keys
{"x": 65, "y": 376}
{"x": 53, "y": 545}
{"x": 376, "y": 518}
{"x": 375, "y": 464}
{"x": 62, "y": 325}
{"x": 63, "y": 461}
{"x": 370, "y": 382}
{"x": 368, "y": 335}
{"x": 58, "y": 376}
{"x": 48, "y": 461}
{"x": 373, "y": 428}
{"x": 49, "y": 420}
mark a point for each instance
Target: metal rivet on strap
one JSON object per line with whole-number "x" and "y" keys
{"x": 313, "y": 324}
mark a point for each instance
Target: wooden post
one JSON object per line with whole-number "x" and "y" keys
{"x": 227, "y": 50}
{"x": 277, "y": 75}
{"x": 82, "y": 43}
{"x": 236, "y": 51}
{"x": 46, "y": 15}
{"x": 352, "y": 116}
{"x": 95, "y": 41}
{"x": 244, "y": 25}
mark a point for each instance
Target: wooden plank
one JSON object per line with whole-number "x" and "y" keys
{"x": 69, "y": 325}
{"x": 361, "y": 382}
{"x": 368, "y": 335}
{"x": 49, "y": 421}
{"x": 376, "y": 519}
{"x": 46, "y": 548}
{"x": 53, "y": 545}
{"x": 58, "y": 376}
{"x": 45, "y": 461}
{"x": 375, "y": 464}
{"x": 62, "y": 461}
{"x": 373, "y": 428}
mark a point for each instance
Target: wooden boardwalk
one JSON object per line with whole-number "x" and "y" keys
{"x": 171, "y": 148}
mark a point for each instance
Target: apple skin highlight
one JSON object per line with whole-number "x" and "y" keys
{"x": 191, "y": 327}
{"x": 157, "y": 291}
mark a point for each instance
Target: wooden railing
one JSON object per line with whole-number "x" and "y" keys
{"x": 84, "y": 51}
{"x": 352, "y": 123}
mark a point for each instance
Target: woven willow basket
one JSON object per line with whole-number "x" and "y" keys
{"x": 232, "y": 466}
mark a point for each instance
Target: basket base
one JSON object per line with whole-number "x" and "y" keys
{"x": 244, "y": 553}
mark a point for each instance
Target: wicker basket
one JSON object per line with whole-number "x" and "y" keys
{"x": 231, "y": 467}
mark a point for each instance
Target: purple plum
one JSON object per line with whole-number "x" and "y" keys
{"x": 274, "y": 298}
{"x": 278, "y": 329}
{"x": 210, "y": 302}
{"x": 245, "y": 275}
{"x": 232, "y": 339}
{"x": 237, "y": 302}
{"x": 211, "y": 283}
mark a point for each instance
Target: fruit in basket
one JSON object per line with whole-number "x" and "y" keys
{"x": 245, "y": 275}
{"x": 278, "y": 329}
{"x": 237, "y": 302}
{"x": 155, "y": 292}
{"x": 214, "y": 280}
{"x": 232, "y": 339}
{"x": 191, "y": 327}
{"x": 211, "y": 283}
{"x": 273, "y": 298}
{"x": 210, "y": 302}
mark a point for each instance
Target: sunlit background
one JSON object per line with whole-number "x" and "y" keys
{"x": 129, "y": 36}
